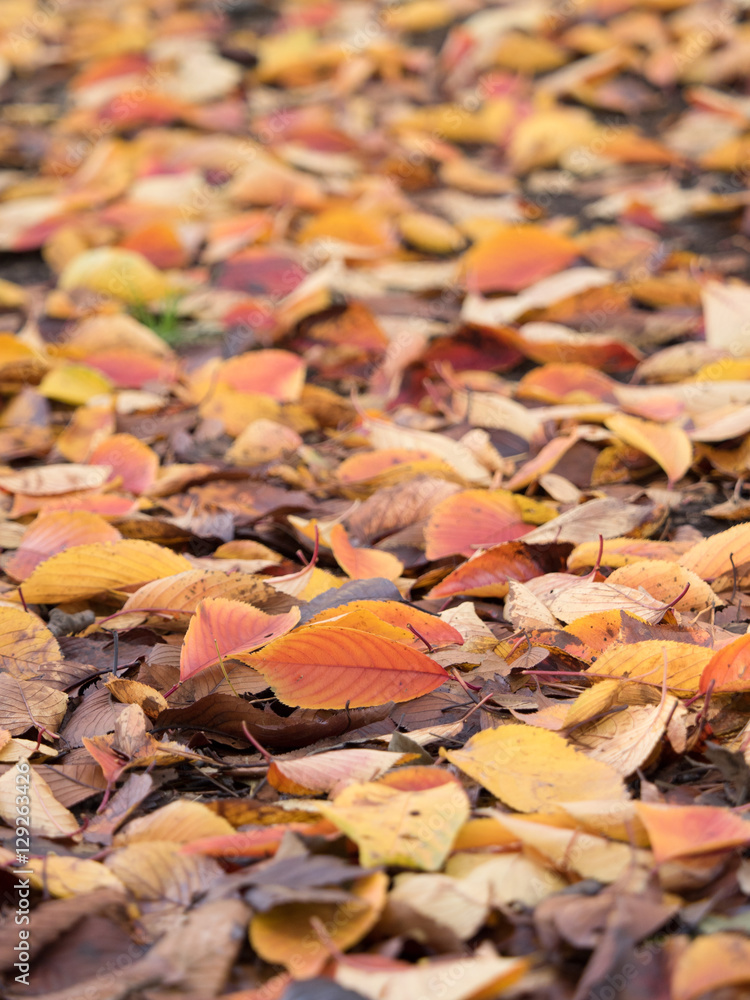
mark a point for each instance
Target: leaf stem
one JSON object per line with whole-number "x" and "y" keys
{"x": 223, "y": 669}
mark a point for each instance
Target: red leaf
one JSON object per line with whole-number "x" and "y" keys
{"x": 487, "y": 574}
{"x": 227, "y": 628}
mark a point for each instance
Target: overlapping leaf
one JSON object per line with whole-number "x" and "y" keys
{"x": 323, "y": 666}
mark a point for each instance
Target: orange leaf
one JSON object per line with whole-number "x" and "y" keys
{"x": 105, "y": 504}
{"x": 128, "y": 368}
{"x": 132, "y": 460}
{"x": 88, "y": 426}
{"x": 665, "y": 581}
{"x": 681, "y": 831}
{"x": 221, "y": 627}
{"x": 257, "y": 843}
{"x": 54, "y": 532}
{"x": 466, "y": 521}
{"x": 728, "y": 668}
{"x": 712, "y": 557}
{"x": 275, "y": 373}
{"x": 711, "y": 965}
{"x": 160, "y": 243}
{"x": 546, "y": 460}
{"x": 348, "y": 225}
{"x": 430, "y": 627}
{"x": 667, "y": 444}
{"x": 367, "y": 621}
{"x": 322, "y": 666}
{"x": 566, "y": 383}
{"x": 516, "y": 257}
{"x": 362, "y": 564}
{"x": 369, "y": 464}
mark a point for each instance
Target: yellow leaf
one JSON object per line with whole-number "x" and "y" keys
{"x": 25, "y": 641}
{"x": 47, "y": 818}
{"x": 86, "y": 570}
{"x": 285, "y": 935}
{"x": 667, "y": 444}
{"x": 64, "y": 876}
{"x": 542, "y": 138}
{"x": 430, "y": 233}
{"x": 455, "y": 123}
{"x": 531, "y": 769}
{"x": 413, "y": 827}
{"x": 74, "y": 384}
{"x": 712, "y": 557}
{"x": 712, "y": 964}
{"x": 180, "y": 822}
{"x": 121, "y": 274}
{"x": 579, "y": 853}
{"x": 644, "y": 661}
{"x": 320, "y": 580}
{"x": 665, "y": 581}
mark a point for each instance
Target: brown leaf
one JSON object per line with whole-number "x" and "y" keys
{"x": 30, "y": 704}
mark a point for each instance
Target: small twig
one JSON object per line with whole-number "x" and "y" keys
{"x": 457, "y": 677}
{"x": 701, "y": 717}
{"x": 23, "y": 600}
{"x": 478, "y": 705}
{"x": 143, "y": 611}
{"x": 600, "y": 556}
{"x": 261, "y": 750}
{"x": 613, "y": 710}
{"x": 572, "y": 674}
{"x": 43, "y": 731}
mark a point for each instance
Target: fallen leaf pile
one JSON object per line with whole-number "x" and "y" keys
{"x": 374, "y": 540}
